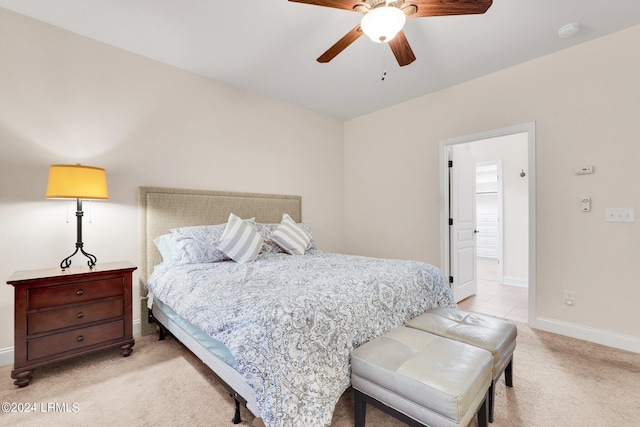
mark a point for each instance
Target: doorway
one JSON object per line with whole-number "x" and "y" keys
{"x": 489, "y": 219}
{"x": 515, "y": 268}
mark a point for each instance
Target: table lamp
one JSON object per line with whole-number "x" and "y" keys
{"x": 77, "y": 182}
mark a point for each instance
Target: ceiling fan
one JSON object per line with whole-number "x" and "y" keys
{"x": 383, "y": 21}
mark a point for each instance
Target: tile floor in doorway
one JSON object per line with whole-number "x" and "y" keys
{"x": 494, "y": 298}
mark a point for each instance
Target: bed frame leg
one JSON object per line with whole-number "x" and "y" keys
{"x": 152, "y": 320}
{"x": 236, "y": 417}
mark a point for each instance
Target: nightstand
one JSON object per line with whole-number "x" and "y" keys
{"x": 64, "y": 314}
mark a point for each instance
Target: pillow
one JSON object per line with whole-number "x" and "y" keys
{"x": 240, "y": 241}
{"x": 168, "y": 249}
{"x": 269, "y": 246}
{"x": 290, "y": 237}
{"x": 197, "y": 244}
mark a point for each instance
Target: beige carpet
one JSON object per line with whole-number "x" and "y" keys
{"x": 558, "y": 381}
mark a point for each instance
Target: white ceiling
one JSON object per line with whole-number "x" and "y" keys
{"x": 271, "y": 46}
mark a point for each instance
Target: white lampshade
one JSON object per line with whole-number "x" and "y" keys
{"x": 383, "y": 23}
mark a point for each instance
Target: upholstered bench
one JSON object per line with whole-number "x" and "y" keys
{"x": 490, "y": 333}
{"x": 421, "y": 379}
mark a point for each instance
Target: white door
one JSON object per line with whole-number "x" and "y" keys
{"x": 462, "y": 209}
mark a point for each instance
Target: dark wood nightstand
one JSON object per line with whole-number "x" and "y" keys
{"x": 63, "y": 314}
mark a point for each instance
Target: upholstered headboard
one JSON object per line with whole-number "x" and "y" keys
{"x": 161, "y": 209}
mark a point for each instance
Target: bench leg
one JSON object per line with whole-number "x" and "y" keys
{"x": 508, "y": 374}
{"x": 483, "y": 412}
{"x": 359, "y": 408}
{"x": 508, "y": 379}
{"x": 491, "y": 397}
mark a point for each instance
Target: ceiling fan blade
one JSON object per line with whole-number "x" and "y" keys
{"x": 447, "y": 7}
{"x": 338, "y": 4}
{"x": 401, "y": 49}
{"x": 341, "y": 44}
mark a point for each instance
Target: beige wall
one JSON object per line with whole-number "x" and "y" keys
{"x": 369, "y": 186}
{"x": 585, "y": 104}
{"x": 68, "y": 99}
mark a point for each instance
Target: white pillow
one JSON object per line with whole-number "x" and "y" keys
{"x": 290, "y": 237}
{"x": 168, "y": 249}
{"x": 240, "y": 241}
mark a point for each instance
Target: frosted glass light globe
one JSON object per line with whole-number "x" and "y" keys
{"x": 383, "y": 23}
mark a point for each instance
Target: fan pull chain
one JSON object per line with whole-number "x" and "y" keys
{"x": 384, "y": 72}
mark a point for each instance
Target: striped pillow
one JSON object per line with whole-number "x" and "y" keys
{"x": 240, "y": 241}
{"x": 290, "y": 237}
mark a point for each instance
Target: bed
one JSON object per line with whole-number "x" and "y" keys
{"x": 277, "y": 331}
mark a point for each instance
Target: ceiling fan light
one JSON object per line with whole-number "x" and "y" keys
{"x": 383, "y": 23}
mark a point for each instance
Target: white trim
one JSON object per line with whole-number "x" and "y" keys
{"x": 515, "y": 281}
{"x": 530, "y": 128}
{"x": 586, "y": 333}
{"x": 6, "y": 354}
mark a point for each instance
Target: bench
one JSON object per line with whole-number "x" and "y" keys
{"x": 495, "y": 335}
{"x": 422, "y": 379}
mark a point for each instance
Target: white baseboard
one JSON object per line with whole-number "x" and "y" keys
{"x": 515, "y": 281}
{"x": 136, "y": 327}
{"x": 6, "y": 354}
{"x": 586, "y": 333}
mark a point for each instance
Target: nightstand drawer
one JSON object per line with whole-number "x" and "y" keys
{"x": 73, "y": 316}
{"x": 73, "y": 293}
{"x": 73, "y": 340}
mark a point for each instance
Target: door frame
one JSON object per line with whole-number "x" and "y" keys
{"x": 444, "y": 200}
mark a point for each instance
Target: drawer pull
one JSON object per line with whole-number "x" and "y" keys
{"x": 80, "y": 338}
{"x": 80, "y": 292}
{"x": 80, "y": 315}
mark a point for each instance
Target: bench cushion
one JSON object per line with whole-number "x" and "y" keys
{"x": 434, "y": 380}
{"x": 490, "y": 333}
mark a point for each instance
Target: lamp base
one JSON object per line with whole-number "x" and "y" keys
{"x": 66, "y": 263}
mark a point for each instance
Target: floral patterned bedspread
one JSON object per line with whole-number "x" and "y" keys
{"x": 292, "y": 321}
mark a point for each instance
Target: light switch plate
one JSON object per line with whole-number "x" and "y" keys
{"x": 584, "y": 170}
{"x": 620, "y": 215}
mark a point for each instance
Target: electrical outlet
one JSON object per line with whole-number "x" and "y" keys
{"x": 569, "y": 297}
